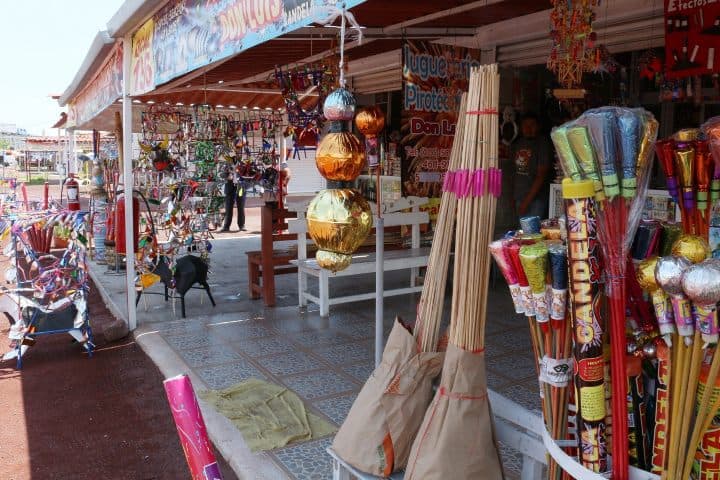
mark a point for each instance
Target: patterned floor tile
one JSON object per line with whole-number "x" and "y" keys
{"x": 258, "y": 347}
{"x": 215, "y": 355}
{"x": 529, "y": 399}
{"x": 358, "y": 331}
{"x": 345, "y": 353}
{"x": 307, "y": 461}
{"x": 239, "y": 331}
{"x": 507, "y": 340}
{"x": 187, "y": 341}
{"x": 291, "y": 363}
{"x": 496, "y": 381}
{"x": 316, "y": 338}
{"x": 299, "y": 325}
{"x": 511, "y": 461}
{"x": 223, "y": 376}
{"x": 360, "y": 371}
{"x": 336, "y": 408}
{"x": 517, "y": 365}
{"x": 319, "y": 384}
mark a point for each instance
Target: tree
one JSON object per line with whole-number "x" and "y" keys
{"x": 5, "y": 144}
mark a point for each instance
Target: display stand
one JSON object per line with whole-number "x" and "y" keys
{"x": 577, "y": 471}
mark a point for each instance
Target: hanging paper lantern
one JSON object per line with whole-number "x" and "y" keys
{"x": 340, "y": 156}
{"x": 370, "y": 121}
{"x": 339, "y": 221}
{"x": 339, "y": 106}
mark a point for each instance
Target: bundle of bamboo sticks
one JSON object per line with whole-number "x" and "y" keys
{"x": 430, "y": 307}
{"x": 475, "y": 213}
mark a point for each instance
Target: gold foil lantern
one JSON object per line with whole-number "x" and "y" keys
{"x": 370, "y": 120}
{"x": 340, "y": 156}
{"x": 339, "y": 221}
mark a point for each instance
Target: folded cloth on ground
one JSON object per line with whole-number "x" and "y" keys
{"x": 268, "y": 416}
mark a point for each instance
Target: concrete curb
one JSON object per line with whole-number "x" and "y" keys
{"x": 227, "y": 439}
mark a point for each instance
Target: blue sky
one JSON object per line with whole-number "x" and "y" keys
{"x": 42, "y": 44}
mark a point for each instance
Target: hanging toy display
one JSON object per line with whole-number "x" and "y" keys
{"x": 573, "y": 50}
{"x": 339, "y": 220}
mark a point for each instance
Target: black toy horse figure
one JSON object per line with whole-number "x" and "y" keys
{"x": 189, "y": 270}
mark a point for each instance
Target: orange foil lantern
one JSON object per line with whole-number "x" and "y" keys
{"x": 340, "y": 156}
{"x": 370, "y": 121}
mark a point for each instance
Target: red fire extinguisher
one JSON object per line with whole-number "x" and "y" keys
{"x": 120, "y": 222}
{"x": 73, "y": 193}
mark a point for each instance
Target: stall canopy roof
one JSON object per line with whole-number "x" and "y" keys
{"x": 386, "y": 24}
{"x": 246, "y": 79}
{"x": 99, "y": 50}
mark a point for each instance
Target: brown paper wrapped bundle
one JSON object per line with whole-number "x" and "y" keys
{"x": 456, "y": 439}
{"x": 380, "y": 428}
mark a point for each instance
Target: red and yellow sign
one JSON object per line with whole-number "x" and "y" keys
{"x": 142, "y": 64}
{"x": 692, "y": 37}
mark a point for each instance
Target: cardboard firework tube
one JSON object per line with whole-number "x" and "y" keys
{"x": 705, "y": 452}
{"x": 585, "y": 290}
{"x": 671, "y": 232}
{"x": 513, "y": 253}
{"x": 685, "y": 166}
{"x": 646, "y": 278}
{"x": 534, "y": 259}
{"x": 565, "y": 154}
{"x": 638, "y": 447}
{"x": 499, "y": 253}
{"x": 558, "y": 292}
{"x": 191, "y": 429}
{"x": 630, "y": 130}
{"x": 703, "y": 166}
{"x": 662, "y": 410}
{"x": 665, "y": 150}
{"x": 582, "y": 148}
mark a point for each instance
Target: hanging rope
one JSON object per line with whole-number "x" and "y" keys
{"x": 331, "y": 14}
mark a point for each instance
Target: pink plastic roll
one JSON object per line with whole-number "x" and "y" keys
{"x": 191, "y": 429}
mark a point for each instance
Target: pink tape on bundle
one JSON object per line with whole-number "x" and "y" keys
{"x": 461, "y": 183}
{"x": 496, "y": 182}
{"x": 448, "y": 181}
{"x": 486, "y": 181}
{"x": 477, "y": 183}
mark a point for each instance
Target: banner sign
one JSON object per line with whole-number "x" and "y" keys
{"x": 100, "y": 92}
{"x": 434, "y": 78}
{"x": 188, "y": 34}
{"x": 692, "y": 37}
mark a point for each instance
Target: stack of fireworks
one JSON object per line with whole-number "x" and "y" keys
{"x": 536, "y": 269}
{"x": 606, "y": 155}
{"x": 692, "y": 178}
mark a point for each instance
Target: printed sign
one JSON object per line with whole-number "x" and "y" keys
{"x": 100, "y": 92}
{"x": 434, "y": 78}
{"x": 189, "y": 34}
{"x": 692, "y": 37}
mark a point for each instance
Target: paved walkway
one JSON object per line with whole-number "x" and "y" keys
{"x": 325, "y": 361}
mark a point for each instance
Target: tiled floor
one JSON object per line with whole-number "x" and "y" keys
{"x": 326, "y": 362}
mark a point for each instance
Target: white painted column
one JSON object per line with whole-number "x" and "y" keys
{"x": 72, "y": 159}
{"x": 379, "y": 288}
{"x": 128, "y": 182}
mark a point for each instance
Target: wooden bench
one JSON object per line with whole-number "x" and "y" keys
{"x": 267, "y": 262}
{"x": 409, "y": 258}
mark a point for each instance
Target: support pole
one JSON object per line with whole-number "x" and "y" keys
{"x": 128, "y": 183}
{"x": 72, "y": 158}
{"x": 379, "y": 287}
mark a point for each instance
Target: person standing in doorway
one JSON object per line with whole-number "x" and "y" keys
{"x": 531, "y": 163}
{"x": 234, "y": 195}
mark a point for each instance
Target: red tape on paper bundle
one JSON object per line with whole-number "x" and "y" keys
{"x": 476, "y": 183}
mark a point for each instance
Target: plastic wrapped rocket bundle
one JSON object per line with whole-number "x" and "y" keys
{"x": 613, "y": 148}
